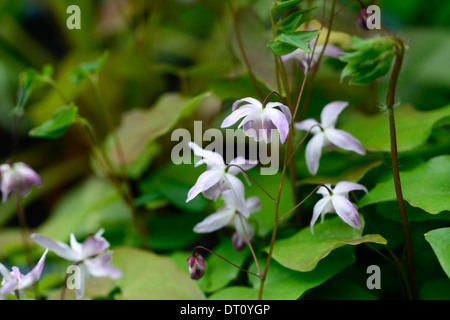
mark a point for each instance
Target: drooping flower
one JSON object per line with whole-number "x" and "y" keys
{"x": 304, "y": 58}
{"x": 15, "y": 280}
{"x": 231, "y": 214}
{"x": 91, "y": 256}
{"x": 196, "y": 265}
{"x": 260, "y": 122}
{"x": 217, "y": 178}
{"x": 337, "y": 202}
{"x": 17, "y": 177}
{"x": 326, "y": 135}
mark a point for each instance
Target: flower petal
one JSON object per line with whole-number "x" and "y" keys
{"x": 8, "y": 287}
{"x": 344, "y": 187}
{"x": 241, "y": 162}
{"x": 307, "y": 124}
{"x": 212, "y": 159}
{"x": 330, "y": 113}
{"x": 5, "y": 272}
{"x": 59, "y": 248}
{"x": 236, "y": 115}
{"x": 215, "y": 221}
{"x": 237, "y": 187}
{"x": 33, "y": 276}
{"x": 278, "y": 118}
{"x": 346, "y": 210}
{"x": 251, "y": 101}
{"x": 253, "y": 204}
{"x": 332, "y": 51}
{"x": 100, "y": 266}
{"x": 92, "y": 246}
{"x": 324, "y": 191}
{"x": 318, "y": 210}
{"x": 205, "y": 181}
{"x": 27, "y": 173}
{"x": 243, "y": 228}
{"x": 284, "y": 109}
{"x": 313, "y": 152}
{"x": 344, "y": 140}
{"x": 296, "y": 55}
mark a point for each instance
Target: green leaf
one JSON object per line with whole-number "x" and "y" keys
{"x": 439, "y": 240}
{"x": 304, "y": 250}
{"x": 86, "y": 69}
{"x": 285, "y": 284}
{"x": 413, "y": 127}
{"x": 148, "y": 276}
{"x": 291, "y": 23}
{"x": 371, "y": 59}
{"x": 141, "y": 127}
{"x": 285, "y": 4}
{"x": 431, "y": 195}
{"x": 57, "y": 125}
{"x": 287, "y": 43}
{"x": 28, "y": 81}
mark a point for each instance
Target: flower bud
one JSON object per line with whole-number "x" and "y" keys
{"x": 238, "y": 242}
{"x": 17, "y": 177}
{"x": 196, "y": 265}
{"x": 362, "y": 19}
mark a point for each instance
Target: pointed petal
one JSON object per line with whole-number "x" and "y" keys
{"x": 279, "y": 120}
{"x": 92, "y": 246}
{"x": 318, "y": 210}
{"x": 27, "y": 173}
{"x": 346, "y": 211}
{"x": 243, "y": 228}
{"x": 344, "y": 140}
{"x": 212, "y": 193}
{"x": 253, "y": 204}
{"x": 333, "y": 51}
{"x": 251, "y": 101}
{"x": 324, "y": 191}
{"x": 33, "y": 276}
{"x": 100, "y": 266}
{"x": 313, "y": 152}
{"x": 330, "y": 113}
{"x": 307, "y": 124}
{"x": 296, "y": 55}
{"x": 284, "y": 109}
{"x": 236, "y": 115}
{"x": 212, "y": 159}
{"x": 8, "y": 288}
{"x": 5, "y": 272}
{"x": 215, "y": 221}
{"x": 238, "y": 188}
{"x": 205, "y": 181}
{"x": 59, "y": 248}
{"x": 243, "y": 163}
{"x": 76, "y": 247}
{"x": 344, "y": 187}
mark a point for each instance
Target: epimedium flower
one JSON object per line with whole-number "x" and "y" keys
{"x": 91, "y": 256}
{"x": 17, "y": 177}
{"x": 306, "y": 58}
{"x": 260, "y": 121}
{"x": 219, "y": 177}
{"x": 196, "y": 266}
{"x": 231, "y": 214}
{"x": 326, "y": 135}
{"x": 16, "y": 281}
{"x": 337, "y": 202}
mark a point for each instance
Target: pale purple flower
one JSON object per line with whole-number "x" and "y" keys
{"x": 17, "y": 177}
{"x": 326, "y": 135}
{"x": 196, "y": 266}
{"x": 337, "y": 202}
{"x": 304, "y": 58}
{"x": 89, "y": 255}
{"x": 231, "y": 214}
{"x": 217, "y": 178}
{"x": 260, "y": 122}
{"x": 15, "y": 280}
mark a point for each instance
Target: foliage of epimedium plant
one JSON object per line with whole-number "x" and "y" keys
{"x": 303, "y": 89}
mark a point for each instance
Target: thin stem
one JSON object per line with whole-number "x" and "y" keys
{"x": 249, "y": 243}
{"x": 303, "y": 140}
{"x": 390, "y": 101}
{"x": 224, "y": 259}
{"x": 253, "y": 180}
{"x": 242, "y": 50}
{"x": 268, "y": 96}
{"x": 301, "y": 202}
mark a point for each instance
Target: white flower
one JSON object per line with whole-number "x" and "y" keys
{"x": 231, "y": 214}
{"x": 89, "y": 255}
{"x": 217, "y": 178}
{"x": 17, "y": 177}
{"x": 15, "y": 280}
{"x": 326, "y": 135}
{"x": 260, "y": 122}
{"x": 337, "y": 202}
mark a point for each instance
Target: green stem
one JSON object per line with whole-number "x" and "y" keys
{"x": 390, "y": 101}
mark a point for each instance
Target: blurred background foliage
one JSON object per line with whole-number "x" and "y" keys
{"x": 172, "y": 62}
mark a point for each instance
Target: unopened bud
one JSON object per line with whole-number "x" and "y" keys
{"x": 362, "y": 19}
{"x": 17, "y": 177}
{"x": 238, "y": 242}
{"x": 196, "y": 265}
